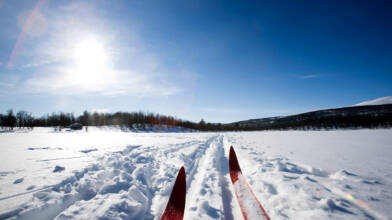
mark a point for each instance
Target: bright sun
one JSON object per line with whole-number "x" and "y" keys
{"x": 90, "y": 63}
{"x": 89, "y": 53}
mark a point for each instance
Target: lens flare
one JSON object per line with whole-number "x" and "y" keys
{"x": 358, "y": 202}
{"x": 27, "y": 28}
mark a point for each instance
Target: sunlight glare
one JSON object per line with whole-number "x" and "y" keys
{"x": 90, "y": 63}
{"x": 88, "y": 53}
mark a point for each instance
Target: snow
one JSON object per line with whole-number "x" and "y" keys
{"x": 111, "y": 173}
{"x": 379, "y": 101}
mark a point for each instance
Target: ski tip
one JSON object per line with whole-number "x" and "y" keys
{"x": 181, "y": 177}
{"x": 178, "y": 196}
{"x": 176, "y": 204}
{"x": 234, "y": 166}
{"x": 182, "y": 172}
{"x": 232, "y": 150}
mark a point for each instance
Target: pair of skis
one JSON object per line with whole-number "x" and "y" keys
{"x": 250, "y": 206}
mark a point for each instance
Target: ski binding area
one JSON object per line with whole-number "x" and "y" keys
{"x": 108, "y": 173}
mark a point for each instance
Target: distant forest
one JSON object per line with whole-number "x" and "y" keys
{"x": 24, "y": 119}
{"x": 341, "y": 118}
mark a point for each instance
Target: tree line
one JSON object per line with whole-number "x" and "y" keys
{"x": 24, "y": 119}
{"x": 350, "y": 118}
{"x": 21, "y": 119}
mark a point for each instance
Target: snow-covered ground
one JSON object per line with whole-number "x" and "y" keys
{"x": 112, "y": 174}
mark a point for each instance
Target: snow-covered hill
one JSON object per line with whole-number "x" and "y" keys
{"x": 379, "y": 101}
{"x": 108, "y": 174}
{"x": 367, "y": 116}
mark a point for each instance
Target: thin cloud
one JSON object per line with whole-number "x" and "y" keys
{"x": 9, "y": 81}
{"x": 130, "y": 70}
{"x": 310, "y": 76}
{"x": 5, "y": 84}
{"x": 117, "y": 83}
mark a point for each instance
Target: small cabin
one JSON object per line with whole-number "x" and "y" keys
{"x": 76, "y": 126}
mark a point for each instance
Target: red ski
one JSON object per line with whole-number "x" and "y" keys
{"x": 250, "y": 206}
{"x": 176, "y": 205}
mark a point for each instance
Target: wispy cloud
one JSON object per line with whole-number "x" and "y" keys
{"x": 310, "y": 76}
{"x": 8, "y": 81}
{"x": 5, "y": 84}
{"x": 130, "y": 69}
{"x": 116, "y": 82}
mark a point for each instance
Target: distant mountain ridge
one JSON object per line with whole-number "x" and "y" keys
{"x": 363, "y": 116}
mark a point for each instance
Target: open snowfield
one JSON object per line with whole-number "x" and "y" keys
{"x": 111, "y": 174}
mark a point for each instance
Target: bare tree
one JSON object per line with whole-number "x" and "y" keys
{"x": 11, "y": 119}
{"x": 21, "y": 118}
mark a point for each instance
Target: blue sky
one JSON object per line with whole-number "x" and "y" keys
{"x": 219, "y": 60}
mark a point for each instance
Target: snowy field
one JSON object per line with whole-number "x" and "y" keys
{"x": 112, "y": 174}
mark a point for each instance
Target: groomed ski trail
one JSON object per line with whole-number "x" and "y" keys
{"x": 209, "y": 193}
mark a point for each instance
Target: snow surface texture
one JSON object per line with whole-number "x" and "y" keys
{"x": 111, "y": 174}
{"x": 379, "y": 101}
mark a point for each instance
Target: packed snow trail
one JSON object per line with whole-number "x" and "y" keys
{"x": 125, "y": 175}
{"x": 208, "y": 191}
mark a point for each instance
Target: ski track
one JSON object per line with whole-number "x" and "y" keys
{"x": 135, "y": 183}
{"x": 139, "y": 179}
{"x": 203, "y": 185}
{"x": 324, "y": 196}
